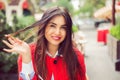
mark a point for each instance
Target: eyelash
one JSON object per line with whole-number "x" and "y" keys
{"x": 61, "y": 27}
{"x": 64, "y": 28}
{"x": 52, "y": 26}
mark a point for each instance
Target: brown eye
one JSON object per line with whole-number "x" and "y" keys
{"x": 52, "y": 25}
{"x": 64, "y": 27}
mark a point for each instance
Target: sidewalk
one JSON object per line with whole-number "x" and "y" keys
{"x": 98, "y": 63}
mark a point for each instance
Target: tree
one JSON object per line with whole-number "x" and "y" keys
{"x": 64, "y": 3}
{"x": 91, "y": 5}
{"x": 113, "y": 12}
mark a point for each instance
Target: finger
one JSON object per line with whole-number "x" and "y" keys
{"x": 9, "y": 36}
{"x": 19, "y": 41}
{"x": 8, "y": 50}
{"x": 8, "y": 44}
{"x": 12, "y": 38}
{"x": 11, "y": 41}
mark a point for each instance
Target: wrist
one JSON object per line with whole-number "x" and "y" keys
{"x": 26, "y": 58}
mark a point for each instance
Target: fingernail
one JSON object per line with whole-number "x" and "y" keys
{"x": 3, "y": 48}
{"x": 6, "y": 34}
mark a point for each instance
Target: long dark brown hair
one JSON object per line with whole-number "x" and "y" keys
{"x": 68, "y": 53}
{"x": 69, "y": 56}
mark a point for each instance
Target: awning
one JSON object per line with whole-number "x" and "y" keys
{"x": 25, "y": 4}
{"x": 106, "y": 12}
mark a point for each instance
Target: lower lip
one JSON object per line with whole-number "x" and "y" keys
{"x": 56, "y": 38}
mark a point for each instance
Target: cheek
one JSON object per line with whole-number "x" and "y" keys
{"x": 64, "y": 34}
{"x": 49, "y": 30}
{"x": 46, "y": 33}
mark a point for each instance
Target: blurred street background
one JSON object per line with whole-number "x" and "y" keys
{"x": 98, "y": 61}
{"x": 93, "y": 20}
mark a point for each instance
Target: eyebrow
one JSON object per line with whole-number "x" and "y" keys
{"x": 56, "y": 24}
{"x": 52, "y": 23}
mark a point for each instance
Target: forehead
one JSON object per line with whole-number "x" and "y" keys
{"x": 59, "y": 19}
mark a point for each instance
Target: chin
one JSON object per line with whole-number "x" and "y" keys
{"x": 56, "y": 44}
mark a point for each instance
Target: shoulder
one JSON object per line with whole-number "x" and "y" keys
{"x": 32, "y": 47}
{"x": 78, "y": 53}
{"x": 80, "y": 57}
{"x": 81, "y": 60}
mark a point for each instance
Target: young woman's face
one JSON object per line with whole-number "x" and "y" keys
{"x": 55, "y": 31}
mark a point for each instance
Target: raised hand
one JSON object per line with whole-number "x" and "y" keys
{"x": 18, "y": 46}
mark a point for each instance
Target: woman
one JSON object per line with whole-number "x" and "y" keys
{"x": 53, "y": 56}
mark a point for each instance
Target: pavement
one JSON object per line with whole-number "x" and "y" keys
{"x": 98, "y": 62}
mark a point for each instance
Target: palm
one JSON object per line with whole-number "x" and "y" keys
{"x": 16, "y": 45}
{"x": 20, "y": 48}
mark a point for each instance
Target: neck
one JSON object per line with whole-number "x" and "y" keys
{"x": 52, "y": 50}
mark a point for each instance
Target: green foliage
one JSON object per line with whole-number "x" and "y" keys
{"x": 2, "y": 15}
{"x": 74, "y": 28}
{"x": 91, "y": 5}
{"x": 21, "y": 23}
{"x": 117, "y": 17}
{"x": 4, "y": 29}
{"x": 115, "y": 31}
{"x": 62, "y": 3}
{"x": 8, "y": 63}
{"x": 2, "y": 21}
{"x": 25, "y": 21}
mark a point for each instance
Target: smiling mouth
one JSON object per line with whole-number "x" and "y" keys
{"x": 56, "y": 37}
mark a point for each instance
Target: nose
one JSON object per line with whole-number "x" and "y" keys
{"x": 57, "y": 31}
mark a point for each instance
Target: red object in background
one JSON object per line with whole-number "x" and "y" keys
{"x": 102, "y": 35}
{"x": 105, "y": 35}
{"x": 2, "y": 6}
{"x": 118, "y": 3}
{"x": 25, "y": 4}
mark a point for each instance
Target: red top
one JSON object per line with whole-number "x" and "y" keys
{"x": 58, "y": 69}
